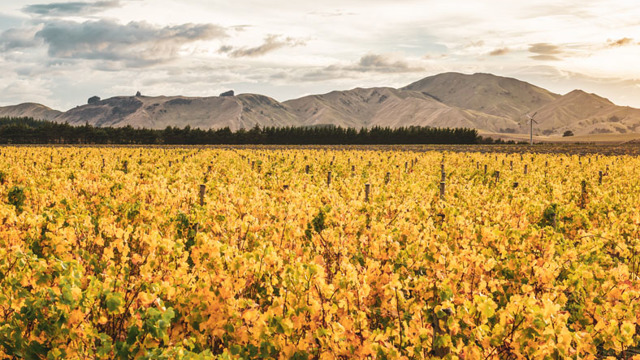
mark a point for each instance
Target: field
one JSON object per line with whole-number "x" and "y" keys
{"x": 319, "y": 253}
{"x": 557, "y": 139}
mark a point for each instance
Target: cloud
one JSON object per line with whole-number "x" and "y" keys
{"x": 137, "y": 43}
{"x": 225, "y": 49}
{"x": 70, "y": 8}
{"x": 472, "y": 44}
{"x": 335, "y": 13}
{"x": 544, "y": 49}
{"x": 271, "y": 43}
{"x": 545, "y": 58}
{"x": 383, "y": 63}
{"x": 545, "y": 52}
{"x": 621, "y": 42}
{"x": 368, "y": 64}
{"x": 500, "y": 52}
{"x": 13, "y": 39}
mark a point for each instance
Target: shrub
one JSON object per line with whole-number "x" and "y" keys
{"x": 16, "y": 197}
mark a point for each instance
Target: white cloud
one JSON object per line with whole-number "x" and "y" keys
{"x": 321, "y": 45}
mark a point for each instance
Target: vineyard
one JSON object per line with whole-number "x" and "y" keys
{"x": 199, "y": 253}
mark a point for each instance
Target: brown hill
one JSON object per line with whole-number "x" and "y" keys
{"x": 235, "y": 112}
{"x": 33, "y": 110}
{"x": 486, "y": 93}
{"x": 584, "y": 113}
{"x": 485, "y": 102}
{"x": 387, "y": 107}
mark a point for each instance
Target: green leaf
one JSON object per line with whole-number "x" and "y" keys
{"x": 115, "y": 302}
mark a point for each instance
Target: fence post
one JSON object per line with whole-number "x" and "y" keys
{"x": 329, "y": 178}
{"x": 438, "y": 332}
{"x": 442, "y": 190}
{"x": 202, "y": 190}
{"x": 367, "y": 188}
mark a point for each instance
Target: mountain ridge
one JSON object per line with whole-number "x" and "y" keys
{"x": 481, "y": 101}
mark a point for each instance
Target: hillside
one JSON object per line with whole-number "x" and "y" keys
{"x": 387, "y": 107}
{"x": 33, "y": 110}
{"x": 485, "y": 102}
{"x": 584, "y": 113}
{"x": 486, "y": 93}
{"x": 235, "y": 112}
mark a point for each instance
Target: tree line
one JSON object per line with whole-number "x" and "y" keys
{"x": 32, "y": 131}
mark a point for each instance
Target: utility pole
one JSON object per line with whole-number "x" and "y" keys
{"x": 531, "y": 121}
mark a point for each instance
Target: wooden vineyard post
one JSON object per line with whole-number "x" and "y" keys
{"x": 329, "y": 178}
{"x": 353, "y": 168}
{"x": 442, "y": 190}
{"x": 485, "y": 169}
{"x": 202, "y": 191}
{"x": 387, "y": 178}
{"x": 497, "y": 177}
{"x": 511, "y": 165}
{"x": 600, "y": 177}
{"x": 439, "y": 332}
{"x": 405, "y": 166}
{"x": 306, "y": 169}
{"x": 367, "y": 188}
{"x": 583, "y": 194}
{"x": 525, "y": 169}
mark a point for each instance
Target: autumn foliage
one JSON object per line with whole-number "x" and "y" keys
{"x": 105, "y": 259}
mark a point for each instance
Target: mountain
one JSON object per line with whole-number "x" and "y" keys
{"x": 387, "y": 107}
{"x": 32, "y": 110}
{"x": 235, "y": 112}
{"x": 482, "y": 101}
{"x": 584, "y": 113}
{"x": 486, "y": 93}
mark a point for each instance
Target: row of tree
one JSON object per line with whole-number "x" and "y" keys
{"x": 31, "y": 131}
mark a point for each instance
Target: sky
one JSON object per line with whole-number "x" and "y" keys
{"x": 61, "y": 53}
